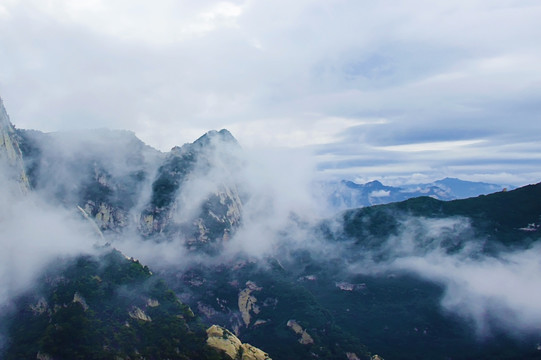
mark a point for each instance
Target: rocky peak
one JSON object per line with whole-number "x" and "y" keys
{"x": 194, "y": 195}
{"x": 190, "y": 193}
{"x": 216, "y": 136}
{"x": 374, "y": 184}
{"x": 208, "y": 142}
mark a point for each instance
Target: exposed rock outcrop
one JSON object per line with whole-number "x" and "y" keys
{"x": 40, "y": 307}
{"x": 247, "y": 302}
{"x": 137, "y": 313}
{"x": 77, "y": 298}
{"x": 224, "y": 340}
{"x": 104, "y": 172}
{"x": 305, "y": 338}
{"x": 10, "y": 152}
{"x": 345, "y": 286}
{"x": 106, "y": 216}
{"x": 43, "y": 356}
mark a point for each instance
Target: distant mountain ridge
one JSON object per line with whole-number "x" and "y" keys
{"x": 511, "y": 218}
{"x": 348, "y": 194}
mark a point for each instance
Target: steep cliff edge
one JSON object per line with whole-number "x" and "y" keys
{"x": 10, "y": 153}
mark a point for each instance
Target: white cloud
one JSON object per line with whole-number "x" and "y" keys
{"x": 431, "y": 146}
{"x": 164, "y": 22}
{"x": 380, "y": 193}
{"x": 33, "y": 235}
{"x": 492, "y": 291}
{"x": 171, "y": 70}
{"x": 505, "y": 290}
{"x": 294, "y": 132}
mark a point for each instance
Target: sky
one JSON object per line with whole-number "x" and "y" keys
{"x": 403, "y": 92}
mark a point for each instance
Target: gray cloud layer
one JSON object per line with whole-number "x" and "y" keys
{"x": 457, "y": 81}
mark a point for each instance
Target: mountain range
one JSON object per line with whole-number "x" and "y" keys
{"x": 347, "y": 194}
{"x": 127, "y": 252}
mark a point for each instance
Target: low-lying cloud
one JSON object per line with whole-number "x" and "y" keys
{"x": 32, "y": 235}
{"x": 493, "y": 292}
{"x": 273, "y": 189}
{"x": 278, "y": 215}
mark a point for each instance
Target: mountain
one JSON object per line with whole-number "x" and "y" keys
{"x": 188, "y": 194}
{"x": 421, "y": 262}
{"x": 419, "y": 278}
{"x": 104, "y": 306}
{"x": 355, "y": 288}
{"x": 190, "y": 198}
{"x": 511, "y": 218}
{"x": 194, "y": 195}
{"x": 460, "y": 189}
{"x": 347, "y": 194}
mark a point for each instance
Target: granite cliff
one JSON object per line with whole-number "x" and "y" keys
{"x": 224, "y": 340}
{"x": 10, "y": 152}
{"x": 194, "y": 196}
{"x": 189, "y": 194}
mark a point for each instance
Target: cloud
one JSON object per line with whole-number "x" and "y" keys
{"x": 380, "y": 193}
{"x": 172, "y": 70}
{"x": 493, "y": 292}
{"x": 499, "y": 292}
{"x": 432, "y": 146}
{"x": 33, "y": 234}
{"x": 278, "y": 184}
{"x": 166, "y": 21}
{"x": 284, "y": 132}
{"x": 264, "y": 192}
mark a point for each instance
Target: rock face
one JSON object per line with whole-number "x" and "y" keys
{"x": 189, "y": 194}
{"x": 305, "y": 338}
{"x": 137, "y": 313}
{"x": 247, "y": 302}
{"x": 194, "y": 194}
{"x": 10, "y": 152}
{"x": 103, "y": 172}
{"x": 223, "y": 340}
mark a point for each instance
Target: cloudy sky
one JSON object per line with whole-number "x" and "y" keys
{"x": 410, "y": 90}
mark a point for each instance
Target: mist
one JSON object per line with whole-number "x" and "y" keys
{"x": 270, "y": 188}
{"x": 498, "y": 292}
{"x": 33, "y": 234}
{"x": 268, "y": 202}
{"x": 278, "y": 215}
{"x": 61, "y": 163}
